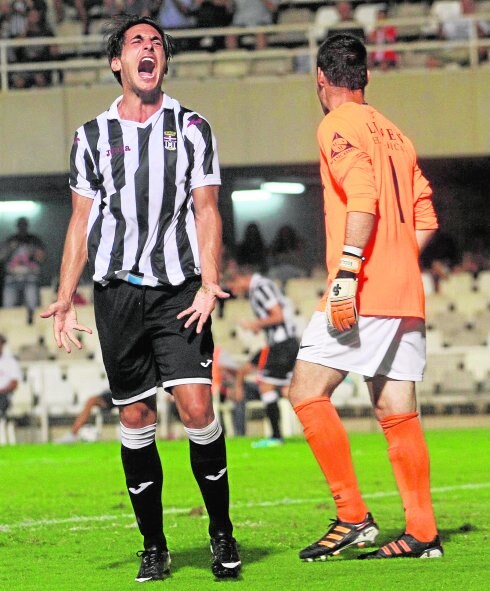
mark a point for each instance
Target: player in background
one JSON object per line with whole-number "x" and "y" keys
{"x": 145, "y": 178}
{"x": 379, "y": 216}
{"x": 275, "y": 316}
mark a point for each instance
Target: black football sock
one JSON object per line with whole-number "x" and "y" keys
{"x": 144, "y": 479}
{"x": 273, "y": 414}
{"x": 208, "y": 462}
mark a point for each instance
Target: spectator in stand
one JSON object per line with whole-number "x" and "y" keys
{"x": 212, "y": 14}
{"x": 10, "y": 376}
{"x": 476, "y": 255}
{"x": 22, "y": 254}
{"x": 252, "y": 13}
{"x": 175, "y": 15}
{"x": 16, "y": 19}
{"x": 347, "y": 23}
{"x": 287, "y": 258}
{"x": 381, "y": 34}
{"x": 440, "y": 257}
{"x": 36, "y": 26}
{"x": 102, "y": 401}
{"x": 83, "y": 9}
{"x": 252, "y": 250}
{"x": 460, "y": 28}
{"x": 114, "y": 8}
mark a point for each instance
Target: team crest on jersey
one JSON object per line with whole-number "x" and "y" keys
{"x": 339, "y": 146}
{"x": 170, "y": 140}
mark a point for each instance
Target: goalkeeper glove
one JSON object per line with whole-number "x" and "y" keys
{"x": 341, "y": 301}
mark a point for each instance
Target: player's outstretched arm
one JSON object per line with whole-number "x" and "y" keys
{"x": 65, "y": 323}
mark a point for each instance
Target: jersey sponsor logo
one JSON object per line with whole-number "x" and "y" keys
{"x": 170, "y": 140}
{"x": 194, "y": 121}
{"x": 206, "y": 363}
{"x": 140, "y": 488}
{"x": 217, "y": 477}
{"x": 117, "y": 150}
{"x": 340, "y": 146}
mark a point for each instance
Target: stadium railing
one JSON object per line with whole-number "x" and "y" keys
{"x": 83, "y": 53}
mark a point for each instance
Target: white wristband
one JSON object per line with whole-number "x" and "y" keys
{"x": 355, "y": 250}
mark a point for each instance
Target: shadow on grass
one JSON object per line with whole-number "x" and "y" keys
{"x": 199, "y": 558}
{"x": 445, "y": 534}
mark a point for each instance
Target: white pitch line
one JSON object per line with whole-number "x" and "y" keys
{"x": 77, "y": 519}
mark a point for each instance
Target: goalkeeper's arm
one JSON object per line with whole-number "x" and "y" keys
{"x": 341, "y": 301}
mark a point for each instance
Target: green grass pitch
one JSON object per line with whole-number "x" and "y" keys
{"x": 66, "y": 523}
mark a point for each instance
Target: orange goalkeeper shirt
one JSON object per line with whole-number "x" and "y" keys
{"x": 368, "y": 165}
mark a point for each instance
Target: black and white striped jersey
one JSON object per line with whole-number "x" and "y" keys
{"x": 141, "y": 176}
{"x": 263, "y": 295}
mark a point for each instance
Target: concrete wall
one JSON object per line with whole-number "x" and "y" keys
{"x": 258, "y": 121}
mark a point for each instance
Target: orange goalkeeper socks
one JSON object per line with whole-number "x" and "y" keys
{"x": 409, "y": 458}
{"x": 329, "y": 442}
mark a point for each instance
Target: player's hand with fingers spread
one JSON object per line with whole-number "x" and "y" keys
{"x": 203, "y": 304}
{"x": 341, "y": 301}
{"x": 65, "y": 324}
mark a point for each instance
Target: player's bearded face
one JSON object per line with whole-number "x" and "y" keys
{"x": 142, "y": 62}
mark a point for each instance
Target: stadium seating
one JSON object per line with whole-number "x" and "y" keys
{"x": 457, "y": 377}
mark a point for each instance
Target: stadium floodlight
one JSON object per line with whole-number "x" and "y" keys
{"x": 286, "y": 188}
{"x": 250, "y": 195}
{"x": 18, "y": 207}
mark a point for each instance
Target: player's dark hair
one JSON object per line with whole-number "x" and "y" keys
{"x": 343, "y": 60}
{"x": 117, "y": 30}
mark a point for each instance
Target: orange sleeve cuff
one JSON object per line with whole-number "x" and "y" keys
{"x": 364, "y": 204}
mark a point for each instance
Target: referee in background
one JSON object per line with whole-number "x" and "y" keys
{"x": 144, "y": 177}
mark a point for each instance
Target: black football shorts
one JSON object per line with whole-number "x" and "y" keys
{"x": 276, "y": 362}
{"x": 143, "y": 343}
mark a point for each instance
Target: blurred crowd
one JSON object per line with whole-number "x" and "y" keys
{"x": 43, "y": 18}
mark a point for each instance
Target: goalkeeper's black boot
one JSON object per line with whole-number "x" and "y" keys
{"x": 406, "y": 546}
{"x": 155, "y": 564}
{"x": 341, "y": 535}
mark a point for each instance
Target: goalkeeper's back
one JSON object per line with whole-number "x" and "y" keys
{"x": 369, "y": 165}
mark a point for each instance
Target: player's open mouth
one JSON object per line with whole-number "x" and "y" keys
{"x": 146, "y": 67}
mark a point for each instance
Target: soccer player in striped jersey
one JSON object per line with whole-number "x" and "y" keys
{"x": 275, "y": 316}
{"x": 379, "y": 216}
{"x": 145, "y": 177}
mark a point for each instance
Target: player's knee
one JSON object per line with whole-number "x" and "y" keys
{"x": 136, "y": 415}
{"x": 197, "y": 416}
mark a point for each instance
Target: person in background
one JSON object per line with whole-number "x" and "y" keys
{"x": 287, "y": 256}
{"x": 252, "y": 250}
{"x": 378, "y": 218}
{"x": 36, "y": 26}
{"x": 22, "y": 255}
{"x": 347, "y": 23}
{"x": 274, "y": 316}
{"x": 212, "y": 14}
{"x": 175, "y": 15}
{"x": 10, "y": 376}
{"x": 252, "y": 13}
{"x": 384, "y": 59}
{"x": 102, "y": 401}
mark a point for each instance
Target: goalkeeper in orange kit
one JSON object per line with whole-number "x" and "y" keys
{"x": 378, "y": 217}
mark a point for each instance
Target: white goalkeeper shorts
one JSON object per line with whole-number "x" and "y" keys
{"x": 377, "y": 345}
